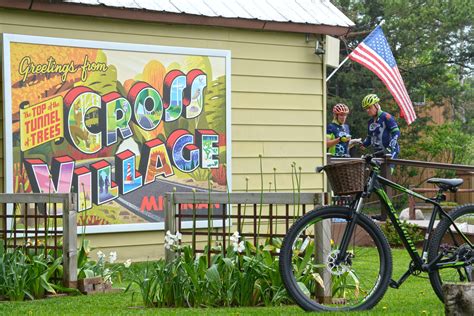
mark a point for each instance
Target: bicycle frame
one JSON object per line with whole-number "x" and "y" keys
{"x": 420, "y": 263}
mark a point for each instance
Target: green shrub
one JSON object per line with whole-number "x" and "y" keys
{"x": 393, "y": 238}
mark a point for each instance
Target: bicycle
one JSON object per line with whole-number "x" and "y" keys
{"x": 336, "y": 258}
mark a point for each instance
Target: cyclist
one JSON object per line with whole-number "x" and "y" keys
{"x": 383, "y": 131}
{"x": 338, "y": 133}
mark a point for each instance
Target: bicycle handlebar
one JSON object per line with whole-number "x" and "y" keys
{"x": 369, "y": 159}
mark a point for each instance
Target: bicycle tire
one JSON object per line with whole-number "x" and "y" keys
{"x": 290, "y": 257}
{"x": 442, "y": 240}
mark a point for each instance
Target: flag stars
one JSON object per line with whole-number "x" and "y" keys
{"x": 378, "y": 43}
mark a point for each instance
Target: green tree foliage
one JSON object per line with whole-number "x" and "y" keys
{"x": 432, "y": 42}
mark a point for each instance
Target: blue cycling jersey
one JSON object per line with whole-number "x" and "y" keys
{"x": 335, "y": 130}
{"x": 383, "y": 133}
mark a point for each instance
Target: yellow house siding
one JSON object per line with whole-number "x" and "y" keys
{"x": 277, "y": 99}
{"x": 2, "y": 164}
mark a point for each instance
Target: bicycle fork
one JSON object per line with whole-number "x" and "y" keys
{"x": 346, "y": 237}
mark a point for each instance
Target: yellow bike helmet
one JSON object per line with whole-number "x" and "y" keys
{"x": 369, "y": 100}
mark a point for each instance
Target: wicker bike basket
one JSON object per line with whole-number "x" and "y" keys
{"x": 346, "y": 177}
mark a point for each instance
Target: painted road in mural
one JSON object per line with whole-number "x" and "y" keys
{"x": 149, "y": 203}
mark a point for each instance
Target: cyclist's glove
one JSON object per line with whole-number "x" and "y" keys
{"x": 344, "y": 137}
{"x": 393, "y": 145}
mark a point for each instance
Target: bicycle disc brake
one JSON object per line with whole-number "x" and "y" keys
{"x": 335, "y": 265}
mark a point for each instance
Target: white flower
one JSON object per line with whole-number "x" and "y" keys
{"x": 100, "y": 255}
{"x": 127, "y": 263}
{"x": 169, "y": 241}
{"x": 239, "y": 247}
{"x": 235, "y": 237}
{"x": 172, "y": 241}
{"x": 112, "y": 256}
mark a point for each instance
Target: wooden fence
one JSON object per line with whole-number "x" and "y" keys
{"x": 281, "y": 209}
{"x": 292, "y": 205}
{"x": 42, "y": 222}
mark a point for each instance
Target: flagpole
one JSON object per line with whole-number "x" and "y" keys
{"x": 334, "y": 71}
{"x": 345, "y": 59}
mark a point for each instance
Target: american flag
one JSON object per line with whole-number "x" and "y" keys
{"x": 375, "y": 54}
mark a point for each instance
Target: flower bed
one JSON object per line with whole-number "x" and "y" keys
{"x": 241, "y": 275}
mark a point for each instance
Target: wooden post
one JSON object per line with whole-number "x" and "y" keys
{"x": 170, "y": 222}
{"x": 70, "y": 242}
{"x": 322, "y": 248}
{"x": 323, "y": 242}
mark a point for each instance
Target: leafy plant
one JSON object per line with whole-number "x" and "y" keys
{"x": 25, "y": 274}
{"x": 41, "y": 270}
{"x": 15, "y": 276}
{"x": 103, "y": 267}
{"x": 147, "y": 281}
{"x": 413, "y": 230}
{"x": 242, "y": 275}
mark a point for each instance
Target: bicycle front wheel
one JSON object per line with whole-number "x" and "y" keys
{"x": 318, "y": 278}
{"x": 454, "y": 254}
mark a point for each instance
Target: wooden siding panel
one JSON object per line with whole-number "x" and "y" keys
{"x": 2, "y": 162}
{"x": 269, "y": 68}
{"x": 252, "y": 165}
{"x": 247, "y": 149}
{"x": 280, "y": 117}
{"x": 277, "y": 85}
{"x": 276, "y": 133}
{"x": 279, "y": 101}
{"x": 294, "y": 149}
{"x": 310, "y": 182}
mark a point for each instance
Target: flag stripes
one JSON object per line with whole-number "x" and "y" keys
{"x": 374, "y": 54}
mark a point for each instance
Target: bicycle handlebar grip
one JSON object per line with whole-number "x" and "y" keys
{"x": 319, "y": 169}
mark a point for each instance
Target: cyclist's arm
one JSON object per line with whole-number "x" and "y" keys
{"x": 393, "y": 146}
{"x": 394, "y": 132}
{"x": 331, "y": 141}
{"x": 366, "y": 142}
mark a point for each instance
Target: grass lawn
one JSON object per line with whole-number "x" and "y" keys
{"x": 415, "y": 297}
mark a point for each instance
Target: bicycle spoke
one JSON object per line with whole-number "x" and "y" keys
{"x": 325, "y": 277}
{"x": 455, "y": 253}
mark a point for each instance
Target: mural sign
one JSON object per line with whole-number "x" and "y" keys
{"x": 118, "y": 124}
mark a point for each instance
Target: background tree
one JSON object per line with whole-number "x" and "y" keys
{"x": 432, "y": 42}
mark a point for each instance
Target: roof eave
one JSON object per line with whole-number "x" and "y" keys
{"x": 172, "y": 18}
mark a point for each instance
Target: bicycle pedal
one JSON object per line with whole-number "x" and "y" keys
{"x": 394, "y": 284}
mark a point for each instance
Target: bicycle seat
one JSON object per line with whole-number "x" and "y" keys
{"x": 446, "y": 184}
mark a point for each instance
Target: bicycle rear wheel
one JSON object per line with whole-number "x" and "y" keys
{"x": 313, "y": 274}
{"x": 448, "y": 245}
